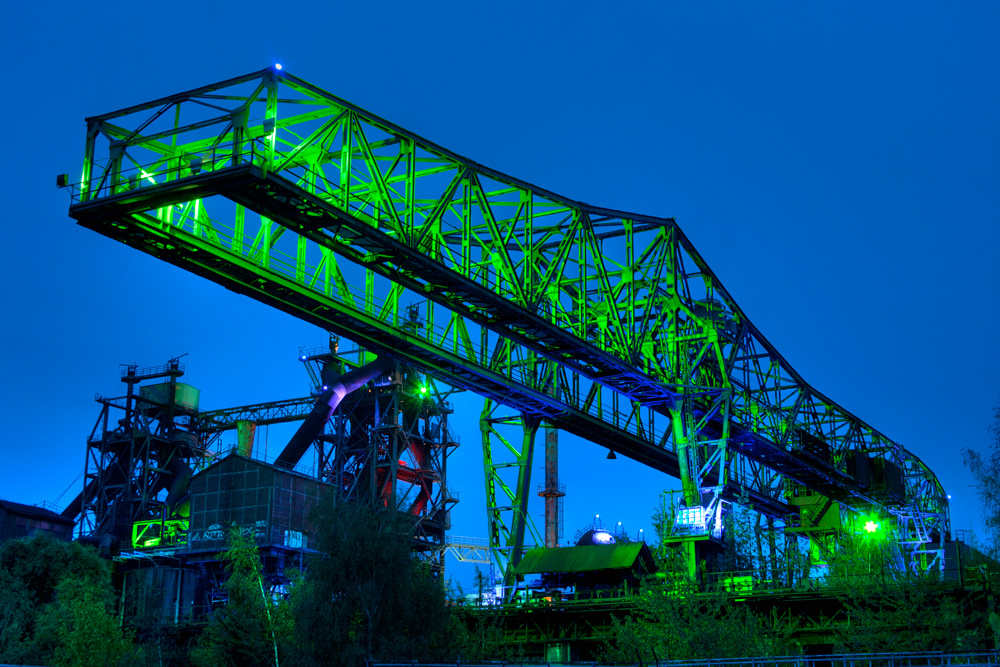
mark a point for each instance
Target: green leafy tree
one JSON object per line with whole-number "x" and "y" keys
{"x": 885, "y": 609}
{"x": 56, "y": 605}
{"x": 663, "y": 520}
{"x": 368, "y": 597}
{"x": 80, "y": 630}
{"x": 476, "y": 632}
{"x": 741, "y": 537}
{"x": 476, "y": 635}
{"x": 908, "y": 613}
{"x": 253, "y": 628}
{"x": 674, "y": 621}
{"x": 860, "y": 561}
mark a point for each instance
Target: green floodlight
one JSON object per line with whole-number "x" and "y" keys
{"x": 424, "y": 389}
{"x": 871, "y": 527}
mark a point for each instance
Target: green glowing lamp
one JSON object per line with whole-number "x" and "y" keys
{"x": 423, "y": 390}
{"x": 871, "y": 527}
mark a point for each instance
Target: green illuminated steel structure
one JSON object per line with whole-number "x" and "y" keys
{"x": 602, "y": 323}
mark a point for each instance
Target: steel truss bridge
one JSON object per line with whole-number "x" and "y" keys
{"x": 605, "y": 324}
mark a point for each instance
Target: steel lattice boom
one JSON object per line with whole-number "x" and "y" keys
{"x": 602, "y": 323}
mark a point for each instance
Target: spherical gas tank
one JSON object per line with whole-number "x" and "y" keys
{"x": 595, "y": 536}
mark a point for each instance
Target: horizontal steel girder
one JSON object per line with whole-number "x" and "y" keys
{"x": 608, "y": 300}
{"x": 142, "y": 232}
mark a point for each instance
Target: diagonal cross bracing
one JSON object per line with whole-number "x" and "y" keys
{"x": 261, "y": 414}
{"x": 607, "y": 324}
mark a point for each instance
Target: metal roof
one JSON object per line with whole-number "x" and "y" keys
{"x": 217, "y": 465}
{"x": 585, "y": 559}
{"x": 34, "y": 510}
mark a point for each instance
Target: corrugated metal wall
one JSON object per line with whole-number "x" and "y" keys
{"x": 270, "y": 504}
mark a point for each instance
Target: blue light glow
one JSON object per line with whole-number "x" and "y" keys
{"x": 277, "y": 65}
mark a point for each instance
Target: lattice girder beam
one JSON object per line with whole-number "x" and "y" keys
{"x": 622, "y": 302}
{"x": 694, "y": 334}
{"x": 451, "y": 352}
{"x": 515, "y": 278}
{"x": 272, "y": 412}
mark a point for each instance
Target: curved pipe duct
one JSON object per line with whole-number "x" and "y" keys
{"x": 328, "y": 402}
{"x": 178, "y": 492}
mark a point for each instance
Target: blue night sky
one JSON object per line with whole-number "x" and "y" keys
{"x": 837, "y": 164}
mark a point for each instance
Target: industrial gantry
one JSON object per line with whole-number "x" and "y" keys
{"x": 605, "y": 324}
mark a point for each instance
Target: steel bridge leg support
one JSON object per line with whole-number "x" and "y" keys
{"x": 503, "y": 502}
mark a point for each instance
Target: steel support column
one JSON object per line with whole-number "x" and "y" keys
{"x": 506, "y": 503}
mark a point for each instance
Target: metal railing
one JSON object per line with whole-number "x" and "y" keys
{"x": 922, "y": 659}
{"x": 925, "y": 659}
{"x": 457, "y": 540}
{"x": 165, "y": 369}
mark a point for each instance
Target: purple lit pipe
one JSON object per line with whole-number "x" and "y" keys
{"x": 325, "y": 406}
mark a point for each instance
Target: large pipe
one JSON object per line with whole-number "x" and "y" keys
{"x": 328, "y": 402}
{"x": 178, "y": 491}
{"x": 310, "y": 429}
{"x": 115, "y": 476}
{"x": 180, "y": 472}
{"x": 72, "y": 510}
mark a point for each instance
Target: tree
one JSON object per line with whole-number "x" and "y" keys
{"x": 663, "y": 521}
{"x": 56, "y": 604}
{"x": 252, "y": 628}
{"x": 81, "y": 629}
{"x": 674, "y": 621}
{"x": 986, "y": 469}
{"x": 888, "y": 609}
{"x": 368, "y": 597}
{"x": 476, "y": 633}
{"x": 910, "y": 612}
